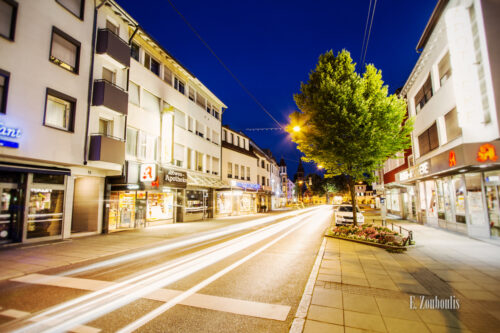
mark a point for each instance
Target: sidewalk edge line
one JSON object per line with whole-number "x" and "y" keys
{"x": 299, "y": 320}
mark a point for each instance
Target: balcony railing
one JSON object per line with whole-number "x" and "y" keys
{"x": 106, "y": 149}
{"x": 111, "y": 44}
{"x": 111, "y": 96}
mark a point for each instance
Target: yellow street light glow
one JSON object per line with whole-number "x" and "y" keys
{"x": 320, "y": 166}
{"x": 296, "y": 128}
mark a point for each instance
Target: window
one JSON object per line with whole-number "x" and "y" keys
{"x": 199, "y": 129}
{"x": 180, "y": 119}
{"x": 444, "y": 69}
{"x": 258, "y": 179}
{"x": 64, "y": 51}
{"x": 263, "y": 181}
{"x": 453, "y": 131}
{"x": 238, "y": 141}
{"x": 147, "y": 146}
{"x": 244, "y": 143}
{"x": 167, "y": 75}
{"x": 236, "y": 171}
{"x": 215, "y": 166}
{"x": 232, "y": 138}
{"x": 151, "y": 64}
{"x": 134, "y": 51}
{"x": 178, "y": 154}
{"x": 208, "y": 133}
{"x": 248, "y": 173}
{"x": 189, "y": 159}
{"x": 267, "y": 167}
{"x": 200, "y": 100}
{"x": 190, "y": 124}
{"x": 199, "y": 161}
{"x": 114, "y": 28}
{"x": 108, "y": 75}
{"x": 105, "y": 127}
{"x": 215, "y": 137}
{"x": 131, "y": 146}
{"x": 209, "y": 108}
{"x": 4, "y": 90}
{"x": 73, "y": 6}
{"x": 133, "y": 93}
{"x": 423, "y": 95}
{"x": 428, "y": 140}
{"x": 263, "y": 164}
{"x": 207, "y": 163}
{"x": 59, "y": 110}
{"x": 216, "y": 114}
{"x": 267, "y": 180}
{"x": 191, "y": 93}
{"x": 224, "y": 135}
{"x": 150, "y": 102}
{"x": 229, "y": 170}
{"x": 242, "y": 172}
{"x": 179, "y": 85}
{"x": 8, "y": 15}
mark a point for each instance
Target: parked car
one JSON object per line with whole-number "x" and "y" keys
{"x": 343, "y": 215}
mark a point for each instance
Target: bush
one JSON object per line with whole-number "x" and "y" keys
{"x": 369, "y": 232}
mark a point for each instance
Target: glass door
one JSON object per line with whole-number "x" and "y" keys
{"x": 492, "y": 202}
{"x": 8, "y": 212}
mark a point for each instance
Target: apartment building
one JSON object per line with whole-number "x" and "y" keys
{"x": 239, "y": 172}
{"x": 45, "y": 56}
{"x": 453, "y": 92}
{"x": 172, "y": 131}
{"x": 263, "y": 178}
{"x": 275, "y": 180}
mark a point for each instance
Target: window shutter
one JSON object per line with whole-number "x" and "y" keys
{"x": 433, "y": 137}
{"x": 178, "y": 152}
{"x": 6, "y": 11}
{"x": 64, "y": 50}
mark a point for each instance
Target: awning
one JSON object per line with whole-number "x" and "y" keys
{"x": 204, "y": 181}
{"x": 6, "y": 166}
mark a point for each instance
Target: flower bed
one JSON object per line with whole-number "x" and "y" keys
{"x": 371, "y": 235}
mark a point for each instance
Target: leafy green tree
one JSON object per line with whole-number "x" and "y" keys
{"x": 315, "y": 183}
{"x": 348, "y": 122}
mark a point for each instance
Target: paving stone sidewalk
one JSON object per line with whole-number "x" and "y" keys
{"x": 18, "y": 260}
{"x": 359, "y": 288}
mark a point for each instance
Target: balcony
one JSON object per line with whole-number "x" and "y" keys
{"x": 110, "y": 44}
{"x": 106, "y": 149}
{"x": 111, "y": 96}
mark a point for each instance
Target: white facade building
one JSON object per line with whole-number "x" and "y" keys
{"x": 453, "y": 94}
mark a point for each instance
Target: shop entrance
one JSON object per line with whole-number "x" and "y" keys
{"x": 9, "y": 212}
{"x": 492, "y": 200}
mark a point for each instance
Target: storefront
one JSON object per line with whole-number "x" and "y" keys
{"x": 240, "y": 199}
{"x": 152, "y": 200}
{"x": 32, "y": 205}
{"x": 458, "y": 190}
{"x": 264, "y": 199}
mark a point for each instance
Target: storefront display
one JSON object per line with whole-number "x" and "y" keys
{"x": 195, "y": 201}
{"x": 247, "y": 203}
{"x": 45, "y": 212}
{"x": 459, "y": 186}
{"x": 224, "y": 203}
{"x": 160, "y": 206}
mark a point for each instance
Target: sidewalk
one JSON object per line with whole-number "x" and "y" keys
{"x": 359, "y": 288}
{"x": 24, "y": 259}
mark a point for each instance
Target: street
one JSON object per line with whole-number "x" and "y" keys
{"x": 246, "y": 277}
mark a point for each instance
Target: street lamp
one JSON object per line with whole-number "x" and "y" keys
{"x": 296, "y": 128}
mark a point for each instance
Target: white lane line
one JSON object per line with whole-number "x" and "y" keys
{"x": 16, "y": 314}
{"x": 165, "y": 307}
{"x": 225, "y": 304}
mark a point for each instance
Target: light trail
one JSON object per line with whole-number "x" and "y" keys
{"x": 96, "y": 304}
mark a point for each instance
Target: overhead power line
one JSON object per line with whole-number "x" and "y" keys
{"x": 369, "y": 32}
{"x": 264, "y": 129}
{"x": 223, "y": 64}
{"x": 366, "y": 30}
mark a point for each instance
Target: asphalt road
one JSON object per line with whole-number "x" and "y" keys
{"x": 250, "y": 280}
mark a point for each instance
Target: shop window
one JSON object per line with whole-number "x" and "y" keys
{"x": 64, "y": 51}
{"x": 428, "y": 140}
{"x": 135, "y": 51}
{"x": 459, "y": 187}
{"x": 453, "y": 131}
{"x": 134, "y": 93}
{"x": 150, "y": 102}
{"x": 191, "y": 94}
{"x": 48, "y": 179}
{"x": 167, "y": 75}
{"x": 4, "y": 90}
{"x": 114, "y": 28}
{"x": 444, "y": 69}
{"x": 151, "y": 64}
{"x": 45, "y": 212}
{"x": 200, "y": 100}
{"x": 131, "y": 146}
{"x": 106, "y": 127}
{"x": 423, "y": 95}
{"x": 108, "y": 75}
{"x": 229, "y": 170}
{"x": 59, "y": 111}
{"x": 179, "y": 85}
{"x": 180, "y": 118}
{"x": 8, "y": 16}
{"x": 195, "y": 202}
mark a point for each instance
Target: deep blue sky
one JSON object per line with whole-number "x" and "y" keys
{"x": 271, "y": 45}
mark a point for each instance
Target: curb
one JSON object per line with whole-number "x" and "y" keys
{"x": 300, "y": 316}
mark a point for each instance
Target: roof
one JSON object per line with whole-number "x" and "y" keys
{"x": 282, "y": 162}
{"x": 429, "y": 28}
{"x": 235, "y": 131}
{"x": 238, "y": 149}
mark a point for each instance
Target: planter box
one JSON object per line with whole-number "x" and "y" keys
{"x": 384, "y": 246}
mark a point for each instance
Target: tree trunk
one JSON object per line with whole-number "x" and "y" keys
{"x": 353, "y": 201}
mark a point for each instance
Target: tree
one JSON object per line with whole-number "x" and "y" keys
{"x": 315, "y": 184}
{"x": 349, "y": 124}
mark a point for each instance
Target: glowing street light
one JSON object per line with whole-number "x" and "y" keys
{"x": 296, "y": 128}
{"x": 320, "y": 167}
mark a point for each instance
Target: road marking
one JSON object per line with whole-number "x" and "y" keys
{"x": 16, "y": 314}
{"x": 224, "y": 304}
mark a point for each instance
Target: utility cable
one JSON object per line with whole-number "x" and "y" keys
{"x": 223, "y": 64}
{"x": 366, "y": 29}
{"x": 369, "y": 31}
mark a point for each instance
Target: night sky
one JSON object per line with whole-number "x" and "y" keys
{"x": 272, "y": 45}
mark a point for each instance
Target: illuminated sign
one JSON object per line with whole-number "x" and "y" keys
{"x": 423, "y": 168}
{"x": 487, "y": 152}
{"x": 132, "y": 187}
{"x": 452, "y": 159}
{"x": 148, "y": 172}
{"x": 9, "y": 132}
{"x": 175, "y": 178}
{"x": 245, "y": 186}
